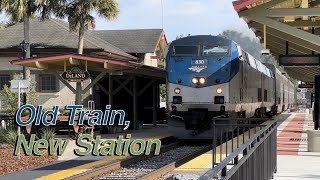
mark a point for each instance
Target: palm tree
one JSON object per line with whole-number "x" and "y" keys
{"x": 80, "y": 19}
{"x": 79, "y": 15}
{"x": 22, "y": 10}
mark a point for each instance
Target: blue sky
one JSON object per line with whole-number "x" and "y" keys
{"x": 179, "y": 16}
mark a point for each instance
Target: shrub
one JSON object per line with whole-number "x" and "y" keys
{"x": 9, "y": 137}
{"x": 11, "y": 99}
{"x": 48, "y": 133}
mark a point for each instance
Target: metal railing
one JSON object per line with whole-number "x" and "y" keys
{"x": 7, "y": 122}
{"x": 249, "y": 154}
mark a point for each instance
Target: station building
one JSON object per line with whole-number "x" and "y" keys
{"x": 52, "y": 38}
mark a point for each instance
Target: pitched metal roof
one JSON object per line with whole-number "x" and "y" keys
{"x": 54, "y": 33}
{"x": 132, "y": 41}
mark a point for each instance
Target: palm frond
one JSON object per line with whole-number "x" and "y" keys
{"x": 108, "y": 9}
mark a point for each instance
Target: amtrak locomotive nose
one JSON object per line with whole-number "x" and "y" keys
{"x": 210, "y": 76}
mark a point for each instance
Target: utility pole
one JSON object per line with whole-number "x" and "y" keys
{"x": 25, "y": 55}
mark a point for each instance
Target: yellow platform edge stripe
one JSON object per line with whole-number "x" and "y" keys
{"x": 78, "y": 169}
{"x": 204, "y": 161}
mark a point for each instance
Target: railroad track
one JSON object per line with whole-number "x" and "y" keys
{"x": 146, "y": 167}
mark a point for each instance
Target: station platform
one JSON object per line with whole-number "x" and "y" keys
{"x": 294, "y": 160}
{"x": 69, "y": 164}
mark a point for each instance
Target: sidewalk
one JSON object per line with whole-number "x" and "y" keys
{"x": 294, "y": 161}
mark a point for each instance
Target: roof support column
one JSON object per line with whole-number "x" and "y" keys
{"x": 78, "y": 94}
{"x": 110, "y": 90}
{"x": 265, "y": 36}
{"x": 313, "y": 31}
{"x": 135, "y": 104}
{"x": 154, "y": 99}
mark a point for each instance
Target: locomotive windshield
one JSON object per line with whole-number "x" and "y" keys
{"x": 216, "y": 50}
{"x": 185, "y": 50}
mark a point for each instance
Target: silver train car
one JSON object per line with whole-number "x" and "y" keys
{"x": 210, "y": 76}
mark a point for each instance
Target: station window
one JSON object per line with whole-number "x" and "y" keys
{"x": 48, "y": 83}
{"x": 4, "y": 80}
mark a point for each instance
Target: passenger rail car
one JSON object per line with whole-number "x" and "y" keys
{"x": 211, "y": 76}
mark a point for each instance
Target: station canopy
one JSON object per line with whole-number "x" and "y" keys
{"x": 286, "y": 27}
{"x": 91, "y": 63}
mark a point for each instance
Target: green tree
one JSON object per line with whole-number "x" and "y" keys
{"x": 180, "y": 36}
{"x": 163, "y": 92}
{"x": 79, "y": 14}
{"x": 250, "y": 45}
{"x": 11, "y": 98}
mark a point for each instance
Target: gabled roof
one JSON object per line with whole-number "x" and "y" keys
{"x": 52, "y": 34}
{"x": 132, "y": 41}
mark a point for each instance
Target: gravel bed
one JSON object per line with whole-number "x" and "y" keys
{"x": 144, "y": 167}
{"x": 10, "y": 163}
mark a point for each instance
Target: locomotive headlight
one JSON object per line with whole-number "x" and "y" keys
{"x": 219, "y": 90}
{"x": 202, "y": 80}
{"x": 195, "y": 80}
{"x": 177, "y": 90}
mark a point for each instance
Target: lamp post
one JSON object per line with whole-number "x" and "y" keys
{"x": 25, "y": 47}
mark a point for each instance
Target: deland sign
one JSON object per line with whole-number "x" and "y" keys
{"x": 75, "y": 74}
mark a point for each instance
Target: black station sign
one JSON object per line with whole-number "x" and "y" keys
{"x": 310, "y": 86}
{"x": 75, "y": 75}
{"x": 299, "y": 60}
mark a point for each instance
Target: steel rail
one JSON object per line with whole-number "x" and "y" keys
{"x": 173, "y": 165}
{"x": 90, "y": 174}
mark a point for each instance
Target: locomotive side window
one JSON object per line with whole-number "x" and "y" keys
{"x": 265, "y": 95}
{"x": 259, "y": 95}
{"x": 216, "y": 50}
{"x": 186, "y": 50}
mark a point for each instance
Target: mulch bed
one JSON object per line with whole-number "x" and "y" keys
{"x": 10, "y": 163}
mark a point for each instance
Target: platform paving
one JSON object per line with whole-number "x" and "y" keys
{"x": 294, "y": 161}
{"x": 69, "y": 163}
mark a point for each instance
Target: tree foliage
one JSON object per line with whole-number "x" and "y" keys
{"x": 163, "y": 92}
{"x": 79, "y": 14}
{"x": 248, "y": 44}
{"x": 18, "y": 10}
{"x": 253, "y": 47}
{"x": 11, "y": 98}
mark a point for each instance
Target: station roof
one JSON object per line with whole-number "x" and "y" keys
{"x": 292, "y": 28}
{"x": 132, "y": 41}
{"x": 94, "y": 64}
{"x": 54, "y": 34}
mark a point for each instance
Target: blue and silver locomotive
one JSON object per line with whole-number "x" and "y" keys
{"x": 211, "y": 76}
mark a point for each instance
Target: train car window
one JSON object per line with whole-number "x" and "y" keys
{"x": 216, "y": 50}
{"x": 185, "y": 50}
{"x": 259, "y": 95}
{"x": 265, "y": 95}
